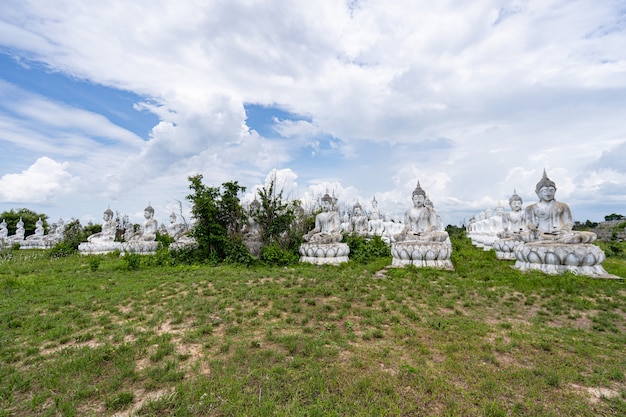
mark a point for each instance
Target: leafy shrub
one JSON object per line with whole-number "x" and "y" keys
{"x": 132, "y": 261}
{"x": 274, "y": 254}
{"x": 237, "y": 252}
{"x": 73, "y": 235}
{"x": 363, "y": 250}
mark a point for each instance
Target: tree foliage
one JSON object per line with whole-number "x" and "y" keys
{"x": 614, "y": 216}
{"x": 29, "y": 217}
{"x": 219, "y": 217}
{"x": 275, "y": 216}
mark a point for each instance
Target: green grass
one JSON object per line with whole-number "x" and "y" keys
{"x": 98, "y": 336}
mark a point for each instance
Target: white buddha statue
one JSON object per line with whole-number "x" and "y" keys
{"x": 551, "y": 245}
{"x": 513, "y": 222}
{"x": 359, "y": 221}
{"x": 551, "y": 220}
{"x": 327, "y": 224}
{"x": 422, "y": 242}
{"x": 19, "y": 232}
{"x": 322, "y": 245}
{"x": 39, "y": 231}
{"x": 513, "y": 229}
{"x": 421, "y": 223}
{"x": 376, "y": 225}
{"x": 149, "y": 229}
{"x": 109, "y": 227}
{"x": 4, "y": 232}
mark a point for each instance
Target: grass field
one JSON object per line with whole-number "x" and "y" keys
{"x": 112, "y": 336}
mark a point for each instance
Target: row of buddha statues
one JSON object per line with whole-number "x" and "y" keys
{"x": 38, "y": 240}
{"x": 419, "y": 240}
{"x": 142, "y": 241}
{"x": 539, "y": 236}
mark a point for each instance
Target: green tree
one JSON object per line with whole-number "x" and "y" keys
{"x": 614, "y": 216}
{"x": 29, "y": 217}
{"x": 219, "y": 218}
{"x": 275, "y": 216}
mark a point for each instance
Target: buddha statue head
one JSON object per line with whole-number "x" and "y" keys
{"x": 515, "y": 201}
{"x": 148, "y": 212}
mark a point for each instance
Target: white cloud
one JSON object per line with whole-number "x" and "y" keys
{"x": 472, "y": 98}
{"x": 45, "y": 180}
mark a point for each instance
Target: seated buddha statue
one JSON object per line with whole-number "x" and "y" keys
{"x": 513, "y": 222}
{"x": 4, "y": 232}
{"x": 421, "y": 223}
{"x": 109, "y": 228}
{"x": 550, "y": 220}
{"x": 327, "y": 224}
{"x": 150, "y": 227}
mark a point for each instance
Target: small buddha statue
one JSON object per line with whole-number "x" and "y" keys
{"x": 327, "y": 224}
{"x": 39, "y": 231}
{"x": 513, "y": 222}
{"x": 550, "y": 220}
{"x": 376, "y": 225}
{"x": 359, "y": 221}
{"x": 19, "y": 232}
{"x": 252, "y": 230}
{"x": 4, "y": 232}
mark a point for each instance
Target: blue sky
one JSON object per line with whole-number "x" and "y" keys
{"x": 116, "y": 104}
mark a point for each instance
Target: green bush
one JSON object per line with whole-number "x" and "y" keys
{"x": 132, "y": 261}
{"x": 274, "y": 254}
{"x": 363, "y": 250}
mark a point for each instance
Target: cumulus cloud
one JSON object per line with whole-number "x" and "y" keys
{"x": 472, "y": 98}
{"x": 44, "y": 180}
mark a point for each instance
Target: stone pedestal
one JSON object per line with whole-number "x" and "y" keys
{"x": 99, "y": 248}
{"x": 556, "y": 258}
{"x": 34, "y": 244}
{"x": 421, "y": 254}
{"x": 324, "y": 253}
{"x": 140, "y": 247}
{"x": 505, "y": 248}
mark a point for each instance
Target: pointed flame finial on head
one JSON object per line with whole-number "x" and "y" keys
{"x": 544, "y": 182}
{"x": 419, "y": 190}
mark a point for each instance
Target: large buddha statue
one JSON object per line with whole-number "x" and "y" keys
{"x": 327, "y": 224}
{"x": 150, "y": 226}
{"x": 551, "y": 220}
{"x": 109, "y": 227}
{"x": 422, "y": 241}
{"x": 421, "y": 223}
{"x": 103, "y": 241}
{"x": 322, "y": 245}
{"x": 551, "y": 245}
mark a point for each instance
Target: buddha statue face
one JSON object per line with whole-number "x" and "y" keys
{"x": 418, "y": 200}
{"x": 516, "y": 205}
{"x": 546, "y": 193}
{"x": 326, "y": 205}
{"x": 499, "y": 211}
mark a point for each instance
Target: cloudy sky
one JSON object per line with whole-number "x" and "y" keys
{"x": 115, "y": 103}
